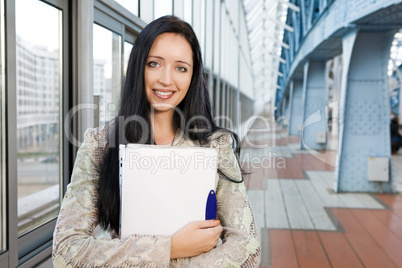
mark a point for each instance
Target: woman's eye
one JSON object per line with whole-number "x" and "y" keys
{"x": 181, "y": 69}
{"x": 153, "y": 64}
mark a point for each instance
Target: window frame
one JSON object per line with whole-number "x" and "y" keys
{"x": 32, "y": 247}
{"x": 112, "y": 16}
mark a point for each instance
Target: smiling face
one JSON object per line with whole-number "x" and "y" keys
{"x": 168, "y": 71}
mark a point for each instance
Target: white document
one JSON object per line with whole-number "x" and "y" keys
{"x": 163, "y": 188}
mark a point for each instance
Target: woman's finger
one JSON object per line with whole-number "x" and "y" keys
{"x": 208, "y": 224}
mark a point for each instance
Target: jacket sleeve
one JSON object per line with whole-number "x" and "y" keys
{"x": 240, "y": 246}
{"x": 74, "y": 244}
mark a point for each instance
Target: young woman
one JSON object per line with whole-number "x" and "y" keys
{"x": 165, "y": 101}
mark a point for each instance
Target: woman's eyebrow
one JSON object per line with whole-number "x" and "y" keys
{"x": 184, "y": 62}
{"x": 159, "y": 57}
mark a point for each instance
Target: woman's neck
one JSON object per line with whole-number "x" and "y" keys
{"x": 163, "y": 128}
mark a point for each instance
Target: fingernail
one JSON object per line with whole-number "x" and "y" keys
{"x": 217, "y": 221}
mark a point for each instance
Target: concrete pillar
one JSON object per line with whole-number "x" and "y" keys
{"x": 314, "y": 130}
{"x": 295, "y": 119}
{"x": 364, "y": 111}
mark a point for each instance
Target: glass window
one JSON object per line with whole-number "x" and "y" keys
{"x": 209, "y": 34}
{"x": 162, "y": 8}
{"x": 2, "y": 130}
{"x": 107, "y": 71}
{"x": 188, "y": 11}
{"x": 39, "y": 80}
{"x": 130, "y": 5}
{"x": 217, "y": 36}
{"x": 147, "y": 10}
{"x": 127, "y": 50}
{"x": 202, "y": 29}
{"x": 178, "y": 8}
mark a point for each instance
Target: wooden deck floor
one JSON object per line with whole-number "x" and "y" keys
{"x": 303, "y": 223}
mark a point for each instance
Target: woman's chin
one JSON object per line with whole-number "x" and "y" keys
{"x": 162, "y": 107}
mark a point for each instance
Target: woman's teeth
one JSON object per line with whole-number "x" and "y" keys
{"x": 163, "y": 93}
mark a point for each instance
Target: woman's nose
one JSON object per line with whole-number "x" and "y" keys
{"x": 166, "y": 77}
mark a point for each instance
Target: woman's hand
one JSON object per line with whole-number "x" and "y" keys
{"x": 195, "y": 238}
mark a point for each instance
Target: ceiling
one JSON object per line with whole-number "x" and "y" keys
{"x": 266, "y": 23}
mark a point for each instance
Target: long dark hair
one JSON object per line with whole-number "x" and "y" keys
{"x": 132, "y": 124}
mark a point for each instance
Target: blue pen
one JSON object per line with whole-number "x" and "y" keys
{"x": 211, "y": 208}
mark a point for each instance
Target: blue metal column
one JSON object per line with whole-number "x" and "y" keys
{"x": 364, "y": 110}
{"x": 315, "y": 101}
{"x": 296, "y": 108}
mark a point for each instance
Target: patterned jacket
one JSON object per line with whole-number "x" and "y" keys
{"x": 75, "y": 244}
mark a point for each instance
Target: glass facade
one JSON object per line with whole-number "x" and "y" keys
{"x": 127, "y": 50}
{"x": 188, "y": 11}
{"x": 162, "y": 8}
{"x": 39, "y": 82}
{"x": 48, "y": 76}
{"x": 107, "y": 71}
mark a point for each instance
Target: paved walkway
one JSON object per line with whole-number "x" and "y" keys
{"x": 302, "y": 222}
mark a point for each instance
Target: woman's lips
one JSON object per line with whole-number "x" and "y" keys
{"x": 163, "y": 94}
